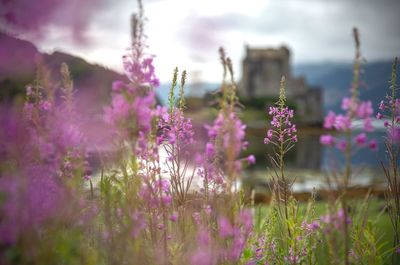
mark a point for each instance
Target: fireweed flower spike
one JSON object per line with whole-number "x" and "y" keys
{"x": 221, "y": 162}
{"x": 282, "y": 135}
{"x": 132, "y": 105}
{"x": 354, "y": 109}
{"x": 46, "y": 185}
{"x": 176, "y": 132}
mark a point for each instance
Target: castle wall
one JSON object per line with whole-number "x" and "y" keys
{"x": 262, "y": 72}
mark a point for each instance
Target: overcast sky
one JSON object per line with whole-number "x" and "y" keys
{"x": 187, "y": 33}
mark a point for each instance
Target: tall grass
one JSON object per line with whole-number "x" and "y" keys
{"x": 163, "y": 195}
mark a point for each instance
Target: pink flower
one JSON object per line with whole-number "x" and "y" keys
{"x": 176, "y": 128}
{"x": 330, "y": 119}
{"x": 269, "y": 133}
{"x": 225, "y": 227}
{"x": 231, "y": 129}
{"x": 202, "y": 256}
{"x": 346, "y": 103}
{"x": 327, "y": 139}
{"x": 210, "y": 150}
{"x": 342, "y": 145}
{"x": 166, "y": 199}
{"x": 117, "y": 86}
{"x": 364, "y": 110}
{"x": 386, "y": 124}
{"x": 361, "y": 139}
{"x": 174, "y": 217}
{"x": 314, "y": 225}
{"x": 368, "y": 125}
{"x": 382, "y": 106}
{"x": 45, "y": 105}
{"x": 281, "y": 120}
{"x": 342, "y": 123}
{"x": 394, "y": 134}
{"x": 251, "y": 159}
{"x": 373, "y": 145}
{"x": 246, "y": 219}
{"x": 197, "y": 218}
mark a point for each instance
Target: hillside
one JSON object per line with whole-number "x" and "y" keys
{"x": 17, "y": 69}
{"x": 335, "y": 80}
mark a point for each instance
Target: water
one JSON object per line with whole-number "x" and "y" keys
{"x": 309, "y": 162}
{"x": 310, "y": 154}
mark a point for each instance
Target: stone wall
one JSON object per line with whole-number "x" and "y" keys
{"x": 262, "y": 70}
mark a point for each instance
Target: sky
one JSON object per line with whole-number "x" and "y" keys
{"x": 188, "y": 33}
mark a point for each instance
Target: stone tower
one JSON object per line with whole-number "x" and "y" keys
{"x": 262, "y": 70}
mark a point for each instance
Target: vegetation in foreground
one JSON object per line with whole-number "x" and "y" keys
{"x": 164, "y": 197}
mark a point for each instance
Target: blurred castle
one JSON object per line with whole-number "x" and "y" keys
{"x": 262, "y": 72}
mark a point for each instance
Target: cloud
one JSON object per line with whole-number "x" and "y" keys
{"x": 188, "y": 33}
{"x": 35, "y": 17}
{"x": 315, "y": 29}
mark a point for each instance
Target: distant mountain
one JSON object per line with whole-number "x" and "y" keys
{"x": 17, "y": 69}
{"x": 335, "y": 80}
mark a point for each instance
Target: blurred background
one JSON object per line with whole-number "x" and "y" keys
{"x": 308, "y": 41}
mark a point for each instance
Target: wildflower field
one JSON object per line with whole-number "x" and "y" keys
{"x": 163, "y": 194}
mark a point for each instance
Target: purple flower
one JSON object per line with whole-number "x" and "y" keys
{"x": 197, "y": 218}
{"x": 246, "y": 219}
{"x": 342, "y": 123}
{"x": 368, "y": 125}
{"x": 138, "y": 223}
{"x": 386, "y": 124}
{"x": 292, "y": 258}
{"x": 45, "y": 105}
{"x": 210, "y": 150}
{"x": 327, "y": 139}
{"x": 140, "y": 70}
{"x": 382, "y": 106}
{"x": 346, "y": 102}
{"x": 202, "y": 256}
{"x": 361, "y": 139}
{"x": 330, "y": 120}
{"x": 174, "y": 217}
{"x": 394, "y": 134}
{"x": 281, "y": 120}
{"x": 225, "y": 227}
{"x": 251, "y": 159}
{"x": 335, "y": 220}
{"x": 342, "y": 145}
{"x": 364, "y": 110}
{"x": 166, "y": 199}
{"x": 41, "y": 200}
{"x": 175, "y": 128}
{"x": 373, "y": 145}
{"x": 118, "y": 86}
